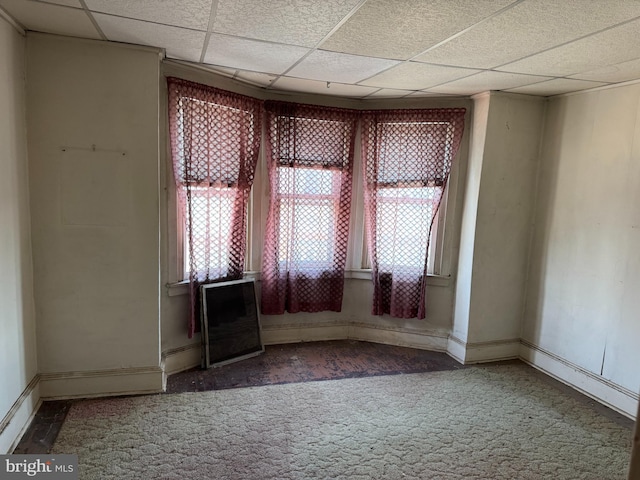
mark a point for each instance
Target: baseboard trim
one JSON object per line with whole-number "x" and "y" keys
{"x": 456, "y": 349}
{"x": 594, "y": 386}
{"x": 101, "y": 383}
{"x": 19, "y": 416}
{"x": 424, "y": 340}
{"x": 182, "y": 358}
{"x": 304, "y": 332}
{"x": 482, "y": 352}
{"x": 322, "y": 331}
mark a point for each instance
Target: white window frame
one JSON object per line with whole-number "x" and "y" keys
{"x": 314, "y": 198}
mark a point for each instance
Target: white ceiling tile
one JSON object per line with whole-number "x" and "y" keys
{"x": 225, "y": 72}
{"x": 620, "y": 72}
{"x": 253, "y": 55}
{"x": 556, "y": 87}
{"x": 528, "y": 28}
{"x": 615, "y": 45}
{"x": 230, "y": 72}
{"x": 390, "y": 93}
{"x": 417, "y": 76}
{"x": 48, "y": 18}
{"x": 256, "y": 78}
{"x": 301, "y": 22}
{"x": 320, "y": 88}
{"x": 485, "y": 81}
{"x": 423, "y": 93}
{"x": 180, "y": 13}
{"x": 256, "y": 41}
{"x": 339, "y": 67}
{"x": 242, "y": 76}
{"x": 402, "y": 29}
{"x": 180, "y": 43}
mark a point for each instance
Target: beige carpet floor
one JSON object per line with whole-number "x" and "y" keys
{"x": 490, "y": 422}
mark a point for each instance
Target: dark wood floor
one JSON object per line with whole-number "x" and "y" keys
{"x": 291, "y": 363}
{"x": 305, "y": 362}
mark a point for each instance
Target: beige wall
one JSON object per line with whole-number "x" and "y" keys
{"x": 18, "y": 363}
{"x": 93, "y": 136}
{"x": 464, "y": 275}
{"x": 504, "y": 216}
{"x": 497, "y": 224}
{"x": 582, "y": 300}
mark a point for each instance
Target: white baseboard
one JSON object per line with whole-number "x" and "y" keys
{"x": 303, "y": 332}
{"x": 482, "y": 352}
{"x": 456, "y": 349}
{"x": 423, "y": 340}
{"x": 595, "y": 386}
{"x": 19, "y": 416}
{"x": 314, "y": 332}
{"x": 182, "y": 358}
{"x": 101, "y": 383}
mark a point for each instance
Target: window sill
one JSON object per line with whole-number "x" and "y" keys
{"x": 182, "y": 288}
{"x": 176, "y": 289}
{"x": 365, "y": 274}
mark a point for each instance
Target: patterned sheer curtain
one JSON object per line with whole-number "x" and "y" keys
{"x": 215, "y": 140}
{"x": 407, "y": 157}
{"x": 310, "y": 161}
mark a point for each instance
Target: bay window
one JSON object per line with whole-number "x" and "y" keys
{"x": 405, "y": 159}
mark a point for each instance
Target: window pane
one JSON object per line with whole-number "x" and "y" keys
{"x": 308, "y": 202}
{"x": 306, "y": 181}
{"x": 403, "y": 218}
{"x": 212, "y": 211}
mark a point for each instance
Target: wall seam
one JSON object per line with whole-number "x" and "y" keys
{"x": 534, "y": 214}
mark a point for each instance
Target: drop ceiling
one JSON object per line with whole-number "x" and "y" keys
{"x": 369, "y": 48}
